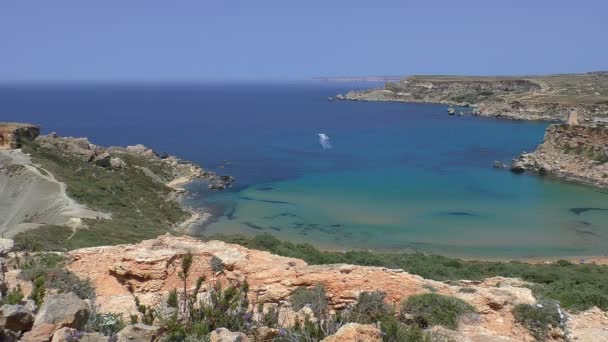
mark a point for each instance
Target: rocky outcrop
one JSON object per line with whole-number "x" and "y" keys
{"x": 523, "y": 98}
{"x": 13, "y": 134}
{"x": 149, "y": 270}
{"x": 137, "y": 333}
{"x": 225, "y": 335}
{"x": 16, "y": 318}
{"x": 354, "y": 332}
{"x": 58, "y": 311}
{"x": 574, "y": 152}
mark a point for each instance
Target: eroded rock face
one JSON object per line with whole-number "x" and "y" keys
{"x": 574, "y": 152}
{"x": 149, "y": 270}
{"x": 13, "y": 134}
{"x": 138, "y": 333}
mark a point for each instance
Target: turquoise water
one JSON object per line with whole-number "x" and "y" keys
{"x": 399, "y": 176}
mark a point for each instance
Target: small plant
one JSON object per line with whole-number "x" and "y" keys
{"x": 539, "y": 318}
{"x": 432, "y": 309}
{"x": 315, "y": 298}
{"x": 107, "y": 324}
{"x": 15, "y": 296}
{"x": 183, "y": 275}
{"x": 39, "y": 291}
{"x": 172, "y": 300}
{"x": 147, "y": 312}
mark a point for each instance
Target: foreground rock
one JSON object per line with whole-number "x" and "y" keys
{"x": 148, "y": 270}
{"x": 12, "y": 135}
{"x": 225, "y": 335}
{"x": 58, "y": 311}
{"x": 138, "y": 333}
{"x": 16, "y": 318}
{"x": 353, "y": 332}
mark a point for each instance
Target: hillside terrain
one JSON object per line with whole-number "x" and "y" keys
{"x": 183, "y": 289}
{"x": 550, "y": 97}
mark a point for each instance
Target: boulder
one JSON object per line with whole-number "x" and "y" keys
{"x": 8, "y": 335}
{"x": 354, "y": 332}
{"x": 137, "y": 333}
{"x": 265, "y": 334}
{"x": 16, "y": 318}
{"x": 225, "y": 335}
{"x": 117, "y": 163}
{"x": 69, "y": 335}
{"x": 103, "y": 160}
{"x": 5, "y": 246}
{"x": 58, "y": 311}
{"x": 518, "y": 167}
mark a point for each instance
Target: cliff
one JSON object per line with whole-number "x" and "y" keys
{"x": 524, "y": 98}
{"x": 13, "y": 134}
{"x": 127, "y": 278}
{"x": 578, "y": 153}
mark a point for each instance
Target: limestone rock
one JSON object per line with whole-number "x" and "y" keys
{"x": 5, "y": 246}
{"x": 518, "y": 167}
{"x": 117, "y": 163}
{"x": 103, "y": 160}
{"x": 354, "y": 332}
{"x": 16, "y": 318}
{"x": 265, "y": 334}
{"x": 58, "y": 311}
{"x": 71, "y": 335}
{"x": 138, "y": 333}
{"x": 225, "y": 335}
{"x": 13, "y": 134}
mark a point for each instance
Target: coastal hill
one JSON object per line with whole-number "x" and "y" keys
{"x": 550, "y": 97}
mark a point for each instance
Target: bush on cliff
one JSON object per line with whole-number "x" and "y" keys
{"x": 539, "y": 318}
{"x": 432, "y": 309}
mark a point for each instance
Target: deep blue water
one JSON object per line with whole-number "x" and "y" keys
{"x": 399, "y": 177}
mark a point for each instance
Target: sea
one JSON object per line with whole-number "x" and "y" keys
{"x": 397, "y": 177}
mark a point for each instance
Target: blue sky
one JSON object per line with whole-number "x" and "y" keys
{"x": 153, "y": 40}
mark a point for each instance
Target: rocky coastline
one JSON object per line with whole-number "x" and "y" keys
{"x": 575, "y": 151}
{"x": 547, "y": 98}
{"x": 36, "y": 160}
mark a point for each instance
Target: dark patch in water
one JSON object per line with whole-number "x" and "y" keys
{"x": 579, "y": 211}
{"x": 336, "y": 225}
{"x": 253, "y": 225}
{"x": 266, "y": 201}
{"x": 283, "y": 214}
{"x": 275, "y": 228}
{"x": 459, "y": 213}
{"x": 265, "y": 188}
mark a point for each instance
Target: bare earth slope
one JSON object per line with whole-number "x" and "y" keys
{"x": 30, "y": 197}
{"x": 549, "y": 97}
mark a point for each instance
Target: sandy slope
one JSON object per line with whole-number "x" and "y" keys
{"x": 30, "y": 196}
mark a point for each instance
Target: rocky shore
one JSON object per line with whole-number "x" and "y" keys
{"x": 49, "y": 179}
{"x": 549, "y": 98}
{"x": 571, "y": 152}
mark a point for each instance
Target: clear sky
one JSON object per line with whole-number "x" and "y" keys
{"x": 140, "y": 40}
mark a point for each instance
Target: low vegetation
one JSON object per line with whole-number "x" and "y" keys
{"x": 576, "y": 287}
{"x": 539, "y": 318}
{"x": 140, "y": 206}
{"x": 430, "y": 309}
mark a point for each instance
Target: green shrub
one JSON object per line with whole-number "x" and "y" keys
{"x": 172, "y": 299}
{"x": 107, "y": 324}
{"x": 315, "y": 298}
{"x": 14, "y": 296}
{"x": 539, "y": 318}
{"x": 38, "y": 291}
{"x": 432, "y": 309}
